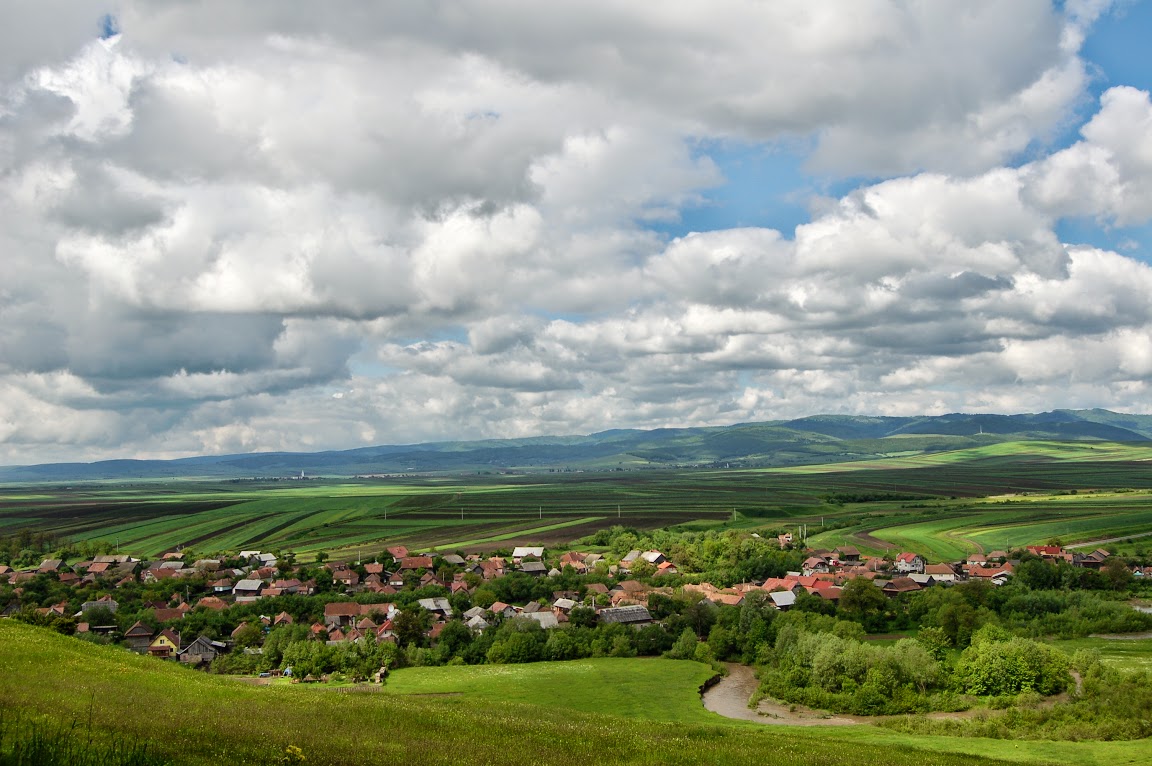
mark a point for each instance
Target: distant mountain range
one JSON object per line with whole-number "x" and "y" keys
{"x": 810, "y": 440}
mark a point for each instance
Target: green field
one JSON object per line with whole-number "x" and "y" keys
{"x": 634, "y": 684}
{"x": 1123, "y": 653}
{"x": 953, "y": 503}
{"x": 583, "y": 712}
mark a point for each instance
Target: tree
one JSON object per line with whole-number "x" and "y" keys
{"x": 810, "y": 602}
{"x": 935, "y": 641}
{"x": 1117, "y": 573}
{"x": 685, "y": 646}
{"x": 995, "y": 665}
{"x": 1037, "y": 574}
{"x": 251, "y": 634}
{"x": 722, "y": 641}
{"x": 453, "y": 639}
{"x": 518, "y": 640}
{"x": 582, "y": 617}
{"x": 411, "y": 624}
{"x": 100, "y": 615}
{"x": 861, "y": 599}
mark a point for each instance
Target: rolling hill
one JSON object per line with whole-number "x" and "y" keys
{"x": 804, "y": 441}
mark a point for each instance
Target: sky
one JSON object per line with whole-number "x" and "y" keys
{"x": 275, "y": 225}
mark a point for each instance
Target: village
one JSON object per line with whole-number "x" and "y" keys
{"x": 173, "y": 599}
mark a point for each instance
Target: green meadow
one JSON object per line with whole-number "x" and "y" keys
{"x": 636, "y": 683}
{"x": 1123, "y": 653}
{"x": 640, "y": 687}
{"x": 194, "y": 719}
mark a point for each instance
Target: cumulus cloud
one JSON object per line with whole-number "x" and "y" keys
{"x": 1107, "y": 175}
{"x": 250, "y": 226}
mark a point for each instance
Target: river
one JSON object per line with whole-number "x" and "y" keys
{"x": 729, "y": 698}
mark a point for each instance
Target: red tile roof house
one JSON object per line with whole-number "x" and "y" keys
{"x": 411, "y": 563}
{"x": 175, "y": 613}
{"x": 900, "y": 585}
{"x": 574, "y": 559}
{"x": 156, "y": 574}
{"x": 909, "y": 562}
{"x": 500, "y": 608}
{"x": 343, "y": 614}
{"x": 492, "y": 569}
{"x": 815, "y": 564}
{"x": 941, "y": 572}
{"x": 290, "y": 586}
{"x": 828, "y": 594}
{"x": 60, "y": 609}
{"x": 848, "y": 553}
{"x": 222, "y": 586}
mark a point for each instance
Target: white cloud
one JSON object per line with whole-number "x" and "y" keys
{"x": 1109, "y": 174}
{"x": 217, "y": 222}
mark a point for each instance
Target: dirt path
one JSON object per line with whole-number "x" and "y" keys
{"x": 730, "y": 696}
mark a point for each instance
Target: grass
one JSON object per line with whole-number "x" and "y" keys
{"x": 1122, "y": 653}
{"x": 191, "y": 718}
{"x": 42, "y": 742}
{"x": 578, "y": 685}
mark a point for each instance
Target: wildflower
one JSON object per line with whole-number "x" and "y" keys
{"x": 293, "y": 754}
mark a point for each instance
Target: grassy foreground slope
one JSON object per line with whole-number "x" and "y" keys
{"x": 665, "y": 691}
{"x": 455, "y": 715}
{"x": 194, "y": 718}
